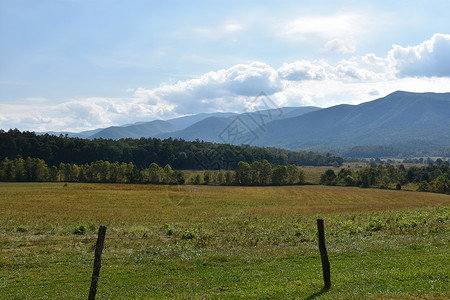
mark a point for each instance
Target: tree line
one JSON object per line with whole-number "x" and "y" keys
{"x": 36, "y": 170}
{"x": 178, "y": 153}
{"x": 432, "y": 178}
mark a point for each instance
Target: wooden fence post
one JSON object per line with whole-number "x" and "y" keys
{"x": 97, "y": 261}
{"x": 323, "y": 254}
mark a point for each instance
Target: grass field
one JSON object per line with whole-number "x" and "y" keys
{"x": 212, "y": 242}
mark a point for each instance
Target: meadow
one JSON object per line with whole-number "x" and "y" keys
{"x": 214, "y": 242}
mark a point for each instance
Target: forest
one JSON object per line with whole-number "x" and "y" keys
{"x": 179, "y": 154}
{"x": 36, "y": 170}
{"x": 432, "y": 178}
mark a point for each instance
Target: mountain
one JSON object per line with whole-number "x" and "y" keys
{"x": 220, "y": 129}
{"x": 180, "y": 127}
{"x": 400, "y": 124}
{"x": 401, "y": 118}
{"x": 135, "y": 131}
{"x": 184, "y": 122}
{"x": 150, "y": 129}
{"x": 206, "y": 130}
{"x": 82, "y": 135}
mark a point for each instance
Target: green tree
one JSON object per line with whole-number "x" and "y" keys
{"x": 279, "y": 175}
{"x": 179, "y": 177}
{"x": 242, "y": 174}
{"x": 348, "y": 180}
{"x": 424, "y": 187}
{"x": 197, "y": 179}
{"x": 255, "y": 173}
{"x": 229, "y": 178}
{"x": 266, "y": 172}
{"x": 168, "y": 174}
{"x": 220, "y": 178}
{"x": 19, "y": 170}
{"x": 441, "y": 185}
{"x": 207, "y": 177}
{"x": 368, "y": 176}
{"x": 328, "y": 178}
{"x": 294, "y": 175}
{"x": 155, "y": 173}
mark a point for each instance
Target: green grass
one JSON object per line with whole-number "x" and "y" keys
{"x": 244, "y": 242}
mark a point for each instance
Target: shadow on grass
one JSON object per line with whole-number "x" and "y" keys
{"x": 319, "y": 293}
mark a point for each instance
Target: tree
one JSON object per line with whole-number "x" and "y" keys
{"x": 348, "y": 180}
{"x": 328, "y": 178}
{"x": 229, "y": 178}
{"x": 279, "y": 175}
{"x": 180, "y": 178}
{"x": 441, "y": 185}
{"x": 154, "y": 173}
{"x": 293, "y": 174}
{"x": 242, "y": 174}
{"x": 220, "y": 178}
{"x": 266, "y": 172}
{"x": 368, "y": 176}
{"x": 53, "y": 171}
{"x": 207, "y": 177}
{"x": 19, "y": 170}
{"x": 255, "y": 173}
{"x": 197, "y": 179}
{"x": 168, "y": 173}
{"x": 424, "y": 187}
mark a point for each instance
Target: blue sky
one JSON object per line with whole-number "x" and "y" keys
{"x": 84, "y": 64}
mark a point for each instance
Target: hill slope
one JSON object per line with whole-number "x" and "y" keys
{"x": 213, "y": 129}
{"x": 399, "y": 118}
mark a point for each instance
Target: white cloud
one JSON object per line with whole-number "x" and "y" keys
{"x": 37, "y": 100}
{"x": 221, "y": 90}
{"x": 233, "y": 27}
{"x": 211, "y": 33}
{"x": 345, "y": 71}
{"x": 329, "y": 27}
{"x": 430, "y": 58}
{"x": 344, "y": 46}
{"x": 303, "y": 70}
{"x": 320, "y": 70}
{"x": 372, "y": 59}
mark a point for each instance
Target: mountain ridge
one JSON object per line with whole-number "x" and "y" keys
{"x": 399, "y": 120}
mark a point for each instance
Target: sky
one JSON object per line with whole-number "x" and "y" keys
{"x": 74, "y": 65}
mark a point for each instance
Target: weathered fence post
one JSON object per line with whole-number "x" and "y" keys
{"x": 97, "y": 261}
{"x": 323, "y": 254}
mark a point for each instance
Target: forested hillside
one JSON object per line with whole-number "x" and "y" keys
{"x": 179, "y": 154}
{"x": 398, "y": 125}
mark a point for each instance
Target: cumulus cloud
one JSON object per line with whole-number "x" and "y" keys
{"x": 430, "y": 58}
{"x": 340, "y": 45}
{"x": 303, "y": 70}
{"x": 353, "y": 72}
{"x": 221, "y": 90}
{"x": 320, "y": 70}
{"x": 372, "y": 59}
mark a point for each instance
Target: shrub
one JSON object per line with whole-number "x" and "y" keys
{"x": 205, "y": 239}
{"x": 374, "y": 225}
{"x": 189, "y": 234}
{"x": 424, "y": 187}
{"x": 80, "y": 229}
{"x": 169, "y": 229}
{"x": 21, "y": 228}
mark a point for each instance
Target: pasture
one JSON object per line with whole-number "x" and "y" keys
{"x": 213, "y": 242}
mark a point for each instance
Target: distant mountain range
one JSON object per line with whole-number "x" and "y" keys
{"x": 401, "y": 123}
